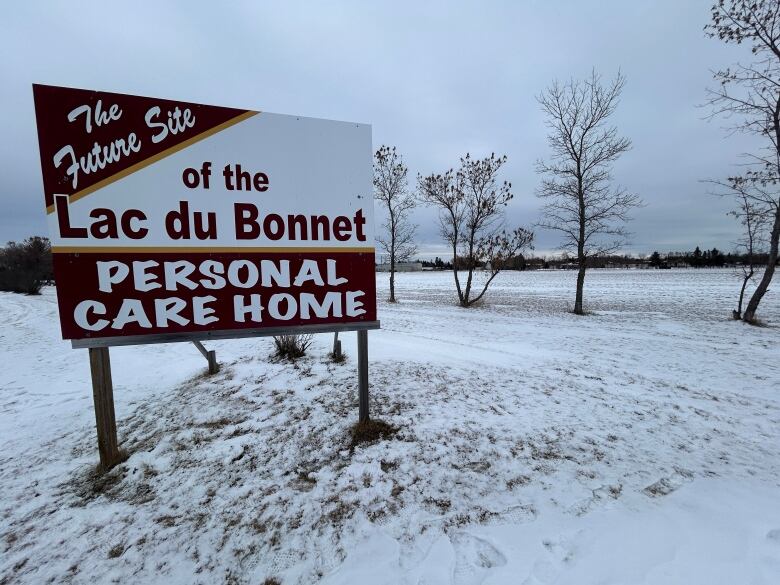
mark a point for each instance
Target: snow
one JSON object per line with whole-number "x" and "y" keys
{"x": 639, "y": 444}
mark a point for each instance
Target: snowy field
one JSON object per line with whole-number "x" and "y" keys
{"x": 638, "y": 445}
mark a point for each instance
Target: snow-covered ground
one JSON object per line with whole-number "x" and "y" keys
{"x": 640, "y": 444}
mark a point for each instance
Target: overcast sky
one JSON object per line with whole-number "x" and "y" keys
{"x": 435, "y": 79}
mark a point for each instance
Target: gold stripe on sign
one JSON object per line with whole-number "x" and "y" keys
{"x": 153, "y": 159}
{"x": 204, "y": 250}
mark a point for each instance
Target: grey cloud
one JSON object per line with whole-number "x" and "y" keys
{"x": 436, "y": 79}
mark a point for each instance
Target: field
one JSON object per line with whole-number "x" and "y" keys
{"x": 639, "y": 444}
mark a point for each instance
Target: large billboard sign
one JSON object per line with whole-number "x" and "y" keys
{"x": 171, "y": 220}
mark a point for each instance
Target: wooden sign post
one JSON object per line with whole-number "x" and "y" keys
{"x": 103, "y": 396}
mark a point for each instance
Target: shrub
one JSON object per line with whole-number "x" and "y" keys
{"x": 292, "y": 347}
{"x": 26, "y": 267}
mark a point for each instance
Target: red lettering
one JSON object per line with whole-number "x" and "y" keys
{"x": 106, "y": 226}
{"x": 246, "y": 216}
{"x": 127, "y": 226}
{"x": 177, "y": 222}
{"x": 342, "y": 228}
{"x": 63, "y": 218}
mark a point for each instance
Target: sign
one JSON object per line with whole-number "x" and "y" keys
{"x": 172, "y": 220}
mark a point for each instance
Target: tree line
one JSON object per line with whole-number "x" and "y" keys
{"x": 697, "y": 258}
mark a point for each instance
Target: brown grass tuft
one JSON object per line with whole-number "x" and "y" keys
{"x": 371, "y": 431}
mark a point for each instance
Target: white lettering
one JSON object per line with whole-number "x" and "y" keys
{"x": 254, "y": 308}
{"x": 309, "y": 271}
{"x": 201, "y": 314}
{"x": 353, "y": 305}
{"x": 178, "y": 121}
{"x": 166, "y": 310}
{"x": 234, "y": 277}
{"x": 212, "y": 269}
{"x": 176, "y": 273}
{"x": 109, "y": 273}
{"x": 331, "y": 305}
{"x": 81, "y": 312}
{"x": 334, "y": 280}
{"x": 131, "y": 311}
{"x": 276, "y": 300}
{"x": 280, "y": 276}
{"x": 143, "y": 281}
{"x": 98, "y": 158}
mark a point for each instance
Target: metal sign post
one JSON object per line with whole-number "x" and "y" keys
{"x": 211, "y": 357}
{"x": 362, "y": 347}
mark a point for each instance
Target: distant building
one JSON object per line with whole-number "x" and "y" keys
{"x": 400, "y": 267}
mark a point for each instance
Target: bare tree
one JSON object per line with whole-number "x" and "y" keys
{"x": 471, "y": 205}
{"x": 582, "y": 203}
{"x": 750, "y": 96}
{"x": 391, "y": 188}
{"x": 753, "y": 219}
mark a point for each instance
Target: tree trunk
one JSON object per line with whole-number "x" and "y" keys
{"x": 748, "y": 275}
{"x": 392, "y": 258}
{"x": 392, "y": 281}
{"x": 455, "y": 272}
{"x": 466, "y": 302}
{"x": 580, "y": 286}
{"x": 763, "y": 286}
{"x": 581, "y": 258}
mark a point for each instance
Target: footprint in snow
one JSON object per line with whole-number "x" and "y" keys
{"x": 283, "y": 560}
{"x": 601, "y": 494}
{"x": 666, "y": 485}
{"x": 474, "y": 558}
{"x": 547, "y": 568}
{"x": 518, "y": 515}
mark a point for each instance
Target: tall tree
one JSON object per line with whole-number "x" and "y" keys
{"x": 697, "y": 258}
{"x": 471, "y": 203}
{"x": 581, "y": 201}
{"x": 749, "y": 94}
{"x": 391, "y": 188}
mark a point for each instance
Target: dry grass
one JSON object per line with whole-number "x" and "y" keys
{"x": 371, "y": 431}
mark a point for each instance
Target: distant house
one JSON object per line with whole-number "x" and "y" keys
{"x": 400, "y": 267}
